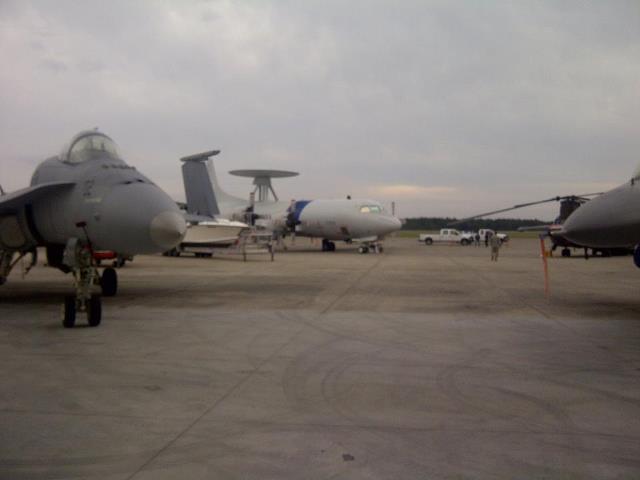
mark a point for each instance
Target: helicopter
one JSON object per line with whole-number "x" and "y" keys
{"x": 568, "y": 205}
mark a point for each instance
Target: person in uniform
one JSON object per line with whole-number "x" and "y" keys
{"x": 495, "y": 243}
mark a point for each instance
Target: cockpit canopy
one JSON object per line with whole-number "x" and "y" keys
{"x": 89, "y": 144}
{"x": 372, "y": 208}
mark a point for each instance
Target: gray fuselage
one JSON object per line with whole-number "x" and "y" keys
{"x": 609, "y": 221}
{"x": 123, "y": 210}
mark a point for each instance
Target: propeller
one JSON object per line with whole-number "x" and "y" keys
{"x": 293, "y": 212}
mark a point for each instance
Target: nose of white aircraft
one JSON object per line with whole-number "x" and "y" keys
{"x": 379, "y": 225}
{"x": 389, "y": 224}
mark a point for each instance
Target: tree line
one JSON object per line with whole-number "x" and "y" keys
{"x": 499, "y": 224}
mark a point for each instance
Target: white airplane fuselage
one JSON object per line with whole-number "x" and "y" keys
{"x": 339, "y": 219}
{"x": 331, "y": 219}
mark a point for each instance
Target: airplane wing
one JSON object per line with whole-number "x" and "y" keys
{"x": 11, "y": 203}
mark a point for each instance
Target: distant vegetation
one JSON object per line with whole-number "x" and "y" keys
{"x": 501, "y": 224}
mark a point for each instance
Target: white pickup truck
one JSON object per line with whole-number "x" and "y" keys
{"x": 446, "y": 235}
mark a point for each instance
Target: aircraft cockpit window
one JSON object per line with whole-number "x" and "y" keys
{"x": 370, "y": 209}
{"x": 90, "y": 145}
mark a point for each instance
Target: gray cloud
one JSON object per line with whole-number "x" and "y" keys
{"x": 446, "y": 107}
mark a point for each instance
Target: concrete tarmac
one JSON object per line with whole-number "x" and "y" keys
{"x": 420, "y": 363}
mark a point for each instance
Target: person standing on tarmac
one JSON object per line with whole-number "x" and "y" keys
{"x": 496, "y": 243}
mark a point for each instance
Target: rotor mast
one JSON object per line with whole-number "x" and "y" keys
{"x": 263, "y": 187}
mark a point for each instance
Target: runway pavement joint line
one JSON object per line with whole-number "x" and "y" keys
{"x": 234, "y": 388}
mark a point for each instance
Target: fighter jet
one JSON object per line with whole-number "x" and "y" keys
{"x": 611, "y": 220}
{"x": 349, "y": 220}
{"x": 82, "y": 202}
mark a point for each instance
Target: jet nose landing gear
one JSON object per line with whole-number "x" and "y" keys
{"x": 79, "y": 259}
{"x": 92, "y": 307}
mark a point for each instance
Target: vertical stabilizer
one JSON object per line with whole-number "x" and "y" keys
{"x": 204, "y": 194}
{"x": 198, "y": 184}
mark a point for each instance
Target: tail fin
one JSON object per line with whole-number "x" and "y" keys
{"x": 198, "y": 184}
{"x": 204, "y": 195}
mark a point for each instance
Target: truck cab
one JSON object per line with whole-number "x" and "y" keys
{"x": 447, "y": 236}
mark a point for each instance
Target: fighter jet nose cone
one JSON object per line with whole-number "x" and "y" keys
{"x": 167, "y": 229}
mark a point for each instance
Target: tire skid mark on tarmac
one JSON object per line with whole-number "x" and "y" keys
{"x": 565, "y": 427}
{"x": 539, "y": 310}
{"x": 301, "y": 393}
{"x": 449, "y": 385}
{"x": 217, "y": 402}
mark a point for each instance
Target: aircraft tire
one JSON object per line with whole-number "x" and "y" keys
{"x": 94, "y": 311}
{"x": 69, "y": 312}
{"x": 332, "y": 247}
{"x": 636, "y": 256}
{"x": 566, "y": 252}
{"x": 109, "y": 282}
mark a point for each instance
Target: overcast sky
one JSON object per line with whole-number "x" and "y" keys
{"x": 446, "y": 107}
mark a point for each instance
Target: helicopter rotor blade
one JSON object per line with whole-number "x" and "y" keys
{"x": 515, "y": 207}
{"x": 582, "y": 197}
